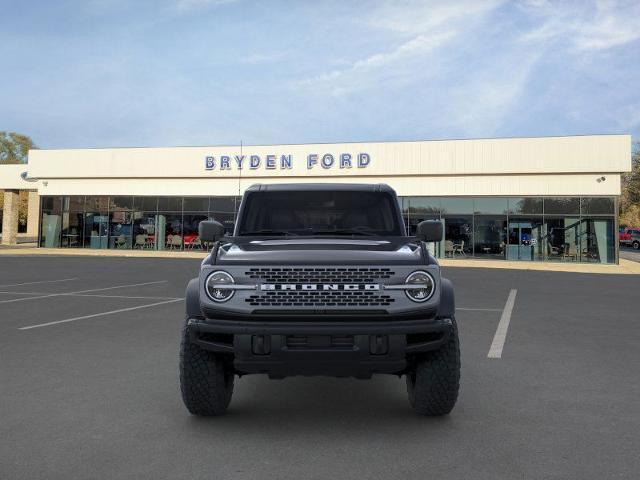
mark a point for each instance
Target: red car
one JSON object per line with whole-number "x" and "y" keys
{"x": 629, "y": 237}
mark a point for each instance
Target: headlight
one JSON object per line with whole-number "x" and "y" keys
{"x": 425, "y": 286}
{"x": 215, "y": 286}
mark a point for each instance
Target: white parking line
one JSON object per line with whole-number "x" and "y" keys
{"x": 501, "y": 332}
{"x": 93, "y": 295}
{"x": 41, "y": 281}
{"x": 81, "y": 291}
{"x": 84, "y": 317}
{"x": 473, "y": 309}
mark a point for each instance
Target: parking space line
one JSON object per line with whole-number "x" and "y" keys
{"x": 20, "y": 293}
{"x": 41, "y": 281}
{"x": 119, "y": 296}
{"x": 94, "y": 295}
{"x": 476, "y": 309}
{"x": 81, "y": 291}
{"x": 84, "y": 317}
{"x": 501, "y": 332}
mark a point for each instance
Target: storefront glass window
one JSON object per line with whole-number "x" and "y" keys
{"x": 490, "y": 237}
{"x": 144, "y": 230}
{"x": 456, "y": 205}
{"x": 562, "y": 206}
{"x": 145, "y": 204}
{"x": 170, "y": 204}
{"x": 562, "y": 238}
{"x": 120, "y": 203}
{"x": 490, "y": 206}
{"x": 72, "y": 222}
{"x": 458, "y": 236}
{"x": 168, "y": 231}
{"x": 552, "y": 228}
{"x": 196, "y": 204}
{"x": 597, "y": 206}
{"x": 525, "y": 206}
{"x": 597, "y": 240}
{"x": 224, "y": 204}
{"x": 51, "y": 224}
{"x": 120, "y": 230}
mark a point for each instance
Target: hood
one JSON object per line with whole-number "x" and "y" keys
{"x": 321, "y": 251}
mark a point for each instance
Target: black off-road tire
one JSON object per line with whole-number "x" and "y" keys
{"x": 206, "y": 380}
{"x": 434, "y": 382}
{"x": 636, "y": 245}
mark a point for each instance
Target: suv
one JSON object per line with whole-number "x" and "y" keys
{"x": 320, "y": 279}
{"x": 630, "y": 237}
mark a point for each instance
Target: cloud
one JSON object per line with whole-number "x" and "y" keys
{"x": 419, "y": 17}
{"x": 264, "y": 57}
{"x": 185, "y": 5}
{"x": 480, "y": 105}
{"x": 604, "y": 26}
{"x": 364, "y": 72}
{"x": 419, "y": 31}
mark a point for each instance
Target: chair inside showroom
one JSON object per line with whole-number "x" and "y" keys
{"x": 459, "y": 248}
{"x": 175, "y": 243}
{"x": 448, "y": 248}
{"x": 141, "y": 241}
{"x": 553, "y": 251}
{"x": 195, "y": 243}
{"x": 567, "y": 253}
{"x": 121, "y": 241}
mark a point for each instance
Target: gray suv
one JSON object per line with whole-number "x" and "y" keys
{"x": 320, "y": 279}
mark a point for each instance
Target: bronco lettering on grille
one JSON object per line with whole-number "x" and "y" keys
{"x": 319, "y": 286}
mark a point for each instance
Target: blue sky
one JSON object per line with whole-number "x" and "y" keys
{"x": 102, "y": 73}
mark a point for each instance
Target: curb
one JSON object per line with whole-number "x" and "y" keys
{"x": 626, "y": 267}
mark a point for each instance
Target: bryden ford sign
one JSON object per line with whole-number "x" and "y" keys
{"x": 285, "y": 162}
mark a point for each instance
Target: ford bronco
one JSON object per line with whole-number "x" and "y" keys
{"x": 320, "y": 279}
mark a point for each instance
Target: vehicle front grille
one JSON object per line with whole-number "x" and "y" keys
{"x": 320, "y": 299}
{"x": 319, "y": 274}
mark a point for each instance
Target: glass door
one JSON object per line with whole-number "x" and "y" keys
{"x": 524, "y": 241}
{"x": 97, "y": 230}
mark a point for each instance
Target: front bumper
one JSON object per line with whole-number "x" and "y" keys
{"x": 343, "y": 349}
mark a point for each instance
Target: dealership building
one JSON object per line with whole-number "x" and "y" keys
{"x": 531, "y": 199}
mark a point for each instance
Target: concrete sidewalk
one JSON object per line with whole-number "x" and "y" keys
{"x": 625, "y": 267}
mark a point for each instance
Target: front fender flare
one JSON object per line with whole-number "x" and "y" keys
{"x": 192, "y": 299}
{"x": 447, "y": 307}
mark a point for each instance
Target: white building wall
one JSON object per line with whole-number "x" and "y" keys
{"x": 513, "y": 166}
{"x": 495, "y": 185}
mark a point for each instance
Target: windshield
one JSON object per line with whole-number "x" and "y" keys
{"x": 348, "y": 213}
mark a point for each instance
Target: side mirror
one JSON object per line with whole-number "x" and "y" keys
{"x": 430, "y": 231}
{"x": 210, "y": 231}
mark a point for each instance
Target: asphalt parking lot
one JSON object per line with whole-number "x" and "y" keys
{"x": 89, "y": 385}
{"x": 630, "y": 253}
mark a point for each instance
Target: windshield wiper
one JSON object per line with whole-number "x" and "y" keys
{"x": 344, "y": 231}
{"x": 267, "y": 231}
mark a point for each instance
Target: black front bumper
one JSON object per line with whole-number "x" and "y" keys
{"x": 343, "y": 349}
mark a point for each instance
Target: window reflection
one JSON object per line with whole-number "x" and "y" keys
{"x": 120, "y": 230}
{"x": 458, "y": 236}
{"x": 144, "y": 230}
{"x": 490, "y": 237}
{"x": 566, "y": 229}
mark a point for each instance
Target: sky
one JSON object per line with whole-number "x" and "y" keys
{"x": 114, "y": 73}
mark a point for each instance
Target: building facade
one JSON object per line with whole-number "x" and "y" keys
{"x": 530, "y": 199}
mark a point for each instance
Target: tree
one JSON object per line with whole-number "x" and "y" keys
{"x": 630, "y": 198}
{"x": 14, "y": 147}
